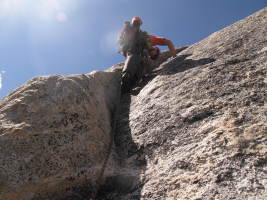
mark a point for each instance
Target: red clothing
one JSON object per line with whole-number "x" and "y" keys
{"x": 156, "y": 40}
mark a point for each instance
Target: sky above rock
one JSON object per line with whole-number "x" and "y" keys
{"x": 43, "y": 37}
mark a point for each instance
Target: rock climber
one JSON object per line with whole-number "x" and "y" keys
{"x": 155, "y": 40}
{"x": 152, "y": 41}
{"x": 138, "y": 46}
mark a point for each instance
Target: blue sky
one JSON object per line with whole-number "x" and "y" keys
{"x": 42, "y": 37}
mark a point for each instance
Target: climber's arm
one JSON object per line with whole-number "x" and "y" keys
{"x": 171, "y": 47}
{"x": 163, "y": 42}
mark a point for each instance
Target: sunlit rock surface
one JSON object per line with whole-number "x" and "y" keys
{"x": 55, "y": 135}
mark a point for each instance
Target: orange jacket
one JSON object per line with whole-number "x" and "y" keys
{"x": 156, "y": 40}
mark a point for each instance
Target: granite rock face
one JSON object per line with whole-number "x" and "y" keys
{"x": 196, "y": 128}
{"x": 55, "y": 135}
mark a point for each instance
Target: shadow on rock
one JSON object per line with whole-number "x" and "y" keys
{"x": 181, "y": 64}
{"x": 177, "y": 65}
{"x": 125, "y": 184}
{"x": 125, "y": 145}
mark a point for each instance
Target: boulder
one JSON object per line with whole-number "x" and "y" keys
{"x": 55, "y": 135}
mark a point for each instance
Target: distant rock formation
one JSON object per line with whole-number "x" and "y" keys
{"x": 194, "y": 129}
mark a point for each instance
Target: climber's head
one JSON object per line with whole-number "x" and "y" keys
{"x": 136, "y": 21}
